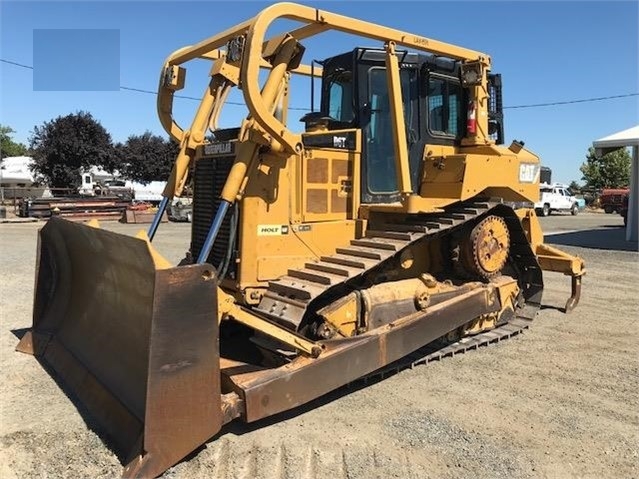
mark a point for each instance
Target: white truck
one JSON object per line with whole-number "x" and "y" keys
{"x": 555, "y": 197}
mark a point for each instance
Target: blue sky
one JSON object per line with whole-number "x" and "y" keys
{"x": 546, "y": 52}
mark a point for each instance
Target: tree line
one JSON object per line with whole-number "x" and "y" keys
{"x": 8, "y": 147}
{"x": 61, "y": 148}
{"x": 64, "y": 146}
{"x": 609, "y": 171}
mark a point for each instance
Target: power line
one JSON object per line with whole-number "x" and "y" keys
{"x": 16, "y": 64}
{"x": 140, "y": 90}
{"x": 570, "y": 102}
{"x": 531, "y": 105}
{"x": 150, "y": 92}
{"x": 236, "y": 103}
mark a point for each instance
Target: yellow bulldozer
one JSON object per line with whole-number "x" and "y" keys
{"x": 394, "y": 229}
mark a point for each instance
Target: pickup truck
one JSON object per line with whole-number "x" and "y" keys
{"x": 555, "y": 198}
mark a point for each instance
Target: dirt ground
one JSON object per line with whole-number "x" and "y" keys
{"x": 561, "y": 400}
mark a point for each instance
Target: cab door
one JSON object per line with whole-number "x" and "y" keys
{"x": 379, "y": 175}
{"x": 566, "y": 202}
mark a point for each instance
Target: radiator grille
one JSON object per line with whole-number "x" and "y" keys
{"x": 208, "y": 180}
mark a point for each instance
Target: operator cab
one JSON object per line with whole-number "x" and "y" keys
{"x": 355, "y": 94}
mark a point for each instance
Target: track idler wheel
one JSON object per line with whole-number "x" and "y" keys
{"x": 484, "y": 251}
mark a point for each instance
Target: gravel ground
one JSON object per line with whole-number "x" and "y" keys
{"x": 560, "y": 400}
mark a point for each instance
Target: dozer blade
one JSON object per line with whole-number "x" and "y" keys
{"x": 136, "y": 345}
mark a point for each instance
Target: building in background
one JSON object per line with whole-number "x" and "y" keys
{"x": 624, "y": 139}
{"x": 17, "y": 180}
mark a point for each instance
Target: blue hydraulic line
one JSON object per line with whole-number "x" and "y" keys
{"x": 213, "y": 231}
{"x": 157, "y": 218}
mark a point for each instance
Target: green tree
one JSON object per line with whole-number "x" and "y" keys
{"x": 574, "y": 186}
{"x": 147, "y": 157}
{"x": 8, "y": 147}
{"x": 62, "y": 147}
{"x": 610, "y": 171}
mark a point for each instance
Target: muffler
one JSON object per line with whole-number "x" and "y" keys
{"x": 135, "y": 341}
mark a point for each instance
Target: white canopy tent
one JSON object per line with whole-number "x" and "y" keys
{"x": 623, "y": 139}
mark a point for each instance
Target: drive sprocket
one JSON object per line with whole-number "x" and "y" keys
{"x": 484, "y": 251}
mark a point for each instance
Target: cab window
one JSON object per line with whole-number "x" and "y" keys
{"x": 340, "y": 94}
{"x": 444, "y": 106}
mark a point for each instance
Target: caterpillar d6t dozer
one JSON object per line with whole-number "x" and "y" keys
{"x": 394, "y": 229}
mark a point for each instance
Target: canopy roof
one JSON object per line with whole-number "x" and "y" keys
{"x": 621, "y": 139}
